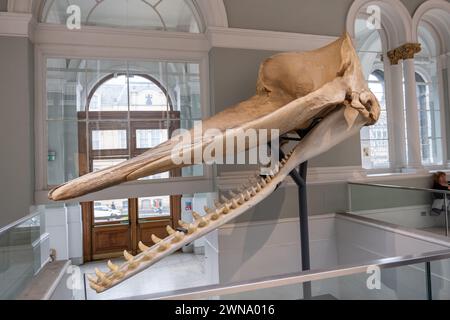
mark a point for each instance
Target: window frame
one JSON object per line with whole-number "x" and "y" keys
{"x": 83, "y": 48}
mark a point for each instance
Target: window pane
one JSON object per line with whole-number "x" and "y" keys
{"x": 111, "y": 210}
{"x": 165, "y": 15}
{"x": 100, "y": 164}
{"x": 111, "y": 95}
{"x": 154, "y": 207}
{"x": 150, "y": 138}
{"x": 109, "y": 139}
{"x": 146, "y": 95}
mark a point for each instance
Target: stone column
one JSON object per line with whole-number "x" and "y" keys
{"x": 406, "y": 53}
{"x": 395, "y": 92}
{"x": 412, "y": 115}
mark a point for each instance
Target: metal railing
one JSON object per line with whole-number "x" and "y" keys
{"x": 446, "y": 196}
{"x": 210, "y": 291}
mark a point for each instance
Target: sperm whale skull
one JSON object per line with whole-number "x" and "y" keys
{"x": 293, "y": 91}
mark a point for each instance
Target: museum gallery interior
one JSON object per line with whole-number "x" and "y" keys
{"x": 225, "y": 149}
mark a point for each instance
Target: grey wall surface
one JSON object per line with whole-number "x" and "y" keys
{"x": 233, "y": 79}
{"x": 16, "y": 129}
{"x": 322, "y": 17}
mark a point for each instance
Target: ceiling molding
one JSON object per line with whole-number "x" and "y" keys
{"x": 15, "y": 24}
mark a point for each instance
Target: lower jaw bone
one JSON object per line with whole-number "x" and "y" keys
{"x": 329, "y": 132}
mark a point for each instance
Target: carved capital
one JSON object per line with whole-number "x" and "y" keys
{"x": 404, "y": 52}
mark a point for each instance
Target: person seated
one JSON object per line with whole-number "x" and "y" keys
{"x": 439, "y": 183}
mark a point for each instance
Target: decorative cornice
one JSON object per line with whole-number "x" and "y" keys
{"x": 404, "y": 52}
{"x": 15, "y": 24}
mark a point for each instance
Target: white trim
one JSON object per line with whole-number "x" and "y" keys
{"x": 15, "y": 24}
{"x": 423, "y": 9}
{"x": 214, "y": 12}
{"x": 119, "y": 38}
{"x": 398, "y": 18}
{"x": 265, "y": 40}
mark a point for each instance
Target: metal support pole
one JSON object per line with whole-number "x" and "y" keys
{"x": 428, "y": 280}
{"x": 446, "y": 214}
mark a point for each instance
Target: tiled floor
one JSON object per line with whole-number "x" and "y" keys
{"x": 178, "y": 271}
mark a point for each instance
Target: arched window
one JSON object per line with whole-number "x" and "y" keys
{"x": 162, "y": 15}
{"x": 375, "y": 139}
{"x": 428, "y": 99}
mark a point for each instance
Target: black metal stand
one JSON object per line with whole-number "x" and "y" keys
{"x": 299, "y": 177}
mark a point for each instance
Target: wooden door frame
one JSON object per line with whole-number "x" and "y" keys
{"x": 89, "y": 121}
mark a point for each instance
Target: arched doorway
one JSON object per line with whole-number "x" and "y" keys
{"x": 126, "y": 114}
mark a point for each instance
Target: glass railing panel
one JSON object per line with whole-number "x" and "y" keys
{"x": 400, "y": 283}
{"x": 415, "y": 208}
{"x": 440, "y": 279}
{"x": 20, "y": 256}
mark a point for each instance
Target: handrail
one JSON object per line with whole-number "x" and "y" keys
{"x": 293, "y": 278}
{"x": 387, "y": 186}
{"x": 19, "y": 222}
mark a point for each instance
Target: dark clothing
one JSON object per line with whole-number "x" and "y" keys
{"x": 438, "y": 186}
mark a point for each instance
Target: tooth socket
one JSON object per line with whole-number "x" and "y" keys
{"x": 217, "y": 203}
{"x": 163, "y": 246}
{"x": 147, "y": 256}
{"x": 224, "y": 199}
{"x": 226, "y": 209}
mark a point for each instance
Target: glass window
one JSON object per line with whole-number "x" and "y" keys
{"x": 103, "y": 112}
{"x": 110, "y": 210}
{"x": 154, "y": 207}
{"x": 162, "y": 15}
{"x": 374, "y": 139}
{"x": 428, "y": 100}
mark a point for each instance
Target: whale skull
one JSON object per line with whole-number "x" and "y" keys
{"x": 293, "y": 90}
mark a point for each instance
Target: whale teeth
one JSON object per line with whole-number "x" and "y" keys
{"x": 155, "y": 239}
{"x": 178, "y": 236}
{"x": 196, "y": 215}
{"x": 232, "y": 194}
{"x": 96, "y": 287}
{"x": 202, "y": 222}
{"x": 92, "y": 279}
{"x": 142, "y": 246}
{"x": 207, "y": 209}
{"x": 113, "y": 267}
{"x": 263, "y": 183}
{"x": 224, "y": 199}
{"x": 170, "y": 230}
{"x": 101, "y": 275}
{"x": 234, "y": 204}
{"x": 128, "y": 256}
{"x": 192, "y": 228}
{"x": 217, "y": 203}
{"x": 183, "y": 224}
{"x": 227, "y": 207}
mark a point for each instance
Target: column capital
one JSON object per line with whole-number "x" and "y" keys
{"x": 404, "y": 52}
